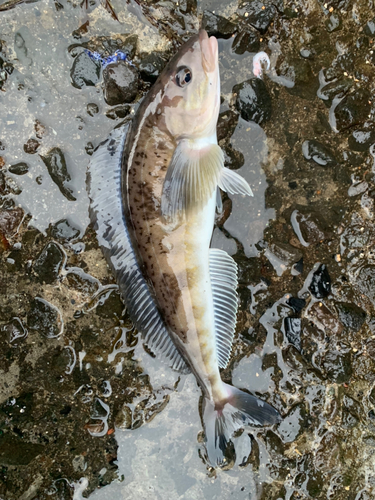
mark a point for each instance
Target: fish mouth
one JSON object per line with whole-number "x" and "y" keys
{"x": 210, "y": 51}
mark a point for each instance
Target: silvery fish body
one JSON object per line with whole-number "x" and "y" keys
{"x": 153, "y": 187}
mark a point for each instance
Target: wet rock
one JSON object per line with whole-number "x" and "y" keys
{"x": 247, "y": 40}
{"x": 9, "y": 221}
{"x": 303, "y": 83}
{"x": 253, "y": 100}
{"x": 369, "y": 29}
{"x": 324, "y": 319}
{"x": 366, "y": 281}
{"x": 48, "y": 263}
{"x": 320, "y": 154}
{"x": 54, "y": 160}
{"x": 307, "y": 226}
{"x": 15, "y": 451}
{"x": 292, "y": 328}
{"x": 63, "y": 230}
{"x": 120, "y": 83}
{"x": 44, "y": 318}
{"x": 14, "y": 331}
{"x": 372, "y": 396}
{"x": 336, "y": 88}
{"x": 111, "y": 306}
{"x": 31, "y": 146}
{"x": 120, "y": 111}
{"x": 337, "y": 365}
{"x": 292, "y": 425}
{"x": 85, "y": 71}
{"x": 40, "y": 129}
{"x": 151, "y": 66}
{"x": 107, "y": 45}
{"x": 320, "y": 286}
{"x": 82, "y": 282}
{"x": 351, "y": 316}
{"x": 314, "y": 483}
{"x": 259, "y": 13}
{"x": 296, "y": 304}
{"x": 89, "y": 148}
{"x": 353, "y": 109}
{"x": 333, "y": 23}
{"x": 92, "y": 109}
{"x": 19, "y": 168}
{"x": 361, "y": 139}
{"x": 217, "y": 26}
{"x": 285, "y": 252}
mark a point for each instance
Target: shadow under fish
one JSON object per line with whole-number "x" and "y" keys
{"x": 154, "y": 186}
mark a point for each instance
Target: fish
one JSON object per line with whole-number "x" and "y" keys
{"x": 154, "y": 186}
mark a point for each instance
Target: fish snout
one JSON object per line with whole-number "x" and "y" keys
{"x": 209, "y": 49}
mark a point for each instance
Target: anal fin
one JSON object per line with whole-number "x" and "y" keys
{"x": 223, "y": 275}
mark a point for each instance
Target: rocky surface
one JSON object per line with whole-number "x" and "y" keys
{"x": 75, "y": 382}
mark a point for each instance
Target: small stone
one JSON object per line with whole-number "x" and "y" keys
{"x": 15, "y": 451}
{"x": 120, "y": 111}
{"x": 85, "y": 71}
{"x": 308, "y": 227}
{"x": 44, "y": 318}
{"x": 89, "y": 148}
{"x": 31, "y": 146}
{"x": 353, "y": 109}
{"x": 120, "y": 83}
{"x": 19, "y": 168}
{"x": 48, "y": 263}
{"x": 92, "y": 109}
{"x": 337, "y": 365}
{"x": 63, "y": 230}
{"x": 258, "y": 13}
{"x": 351, "y": 316}
{"x": 369, "y": 29}
{"x": 333, "y": 23}
{"x": 10, "y": 221}
{"x": 40, "y": 129}
{"x": 298, "y": 72}
{"x": 320, "y": 286}
{"x": 292, "y": 328}
{"x": 296, "y": 304}
{"x": 253, "y": 100}
{"x": 324, "y": 319}
{"x": 361, "y": 139}
{"x": 336, "y": 88}
{"x": 366, "y": 281}
{"x": 57, "y": 169}
{"x": 246, "y": 40}
{"x": 216, "y": 25}
{"x": 320, "y": 154}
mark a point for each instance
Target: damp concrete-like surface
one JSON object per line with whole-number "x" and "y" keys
{"x": 85, "y": 411}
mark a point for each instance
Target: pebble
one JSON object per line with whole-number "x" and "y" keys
{"x": 253, "y": 100}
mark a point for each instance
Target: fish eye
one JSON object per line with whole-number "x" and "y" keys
{"x": 183, "y": 76}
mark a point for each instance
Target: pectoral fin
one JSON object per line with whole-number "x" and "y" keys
{"x": 191, "y": 179}
{"x": 233, "y": 183}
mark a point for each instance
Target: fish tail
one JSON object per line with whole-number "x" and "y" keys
{"x": 221, "y": 421}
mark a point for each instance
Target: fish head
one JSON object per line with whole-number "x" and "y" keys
{"x": 191, "y": 90}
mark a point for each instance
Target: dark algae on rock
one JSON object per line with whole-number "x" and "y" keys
{"x": 78, "y": 393}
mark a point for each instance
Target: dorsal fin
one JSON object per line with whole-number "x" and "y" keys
{"x": 107, "y": 215}
{"x": 223, "y": 274}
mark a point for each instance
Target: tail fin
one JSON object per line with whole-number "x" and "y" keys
{"x": 240, "y": 409}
